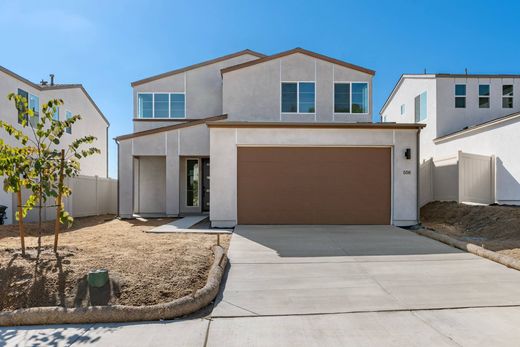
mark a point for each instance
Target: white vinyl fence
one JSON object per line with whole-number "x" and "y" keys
{"x": 91, "y": 196}
{"x": 463, "y": 177}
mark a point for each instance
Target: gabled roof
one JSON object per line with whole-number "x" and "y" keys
{"x": 191, "y": 67}
{"x": 53, "y": 87}
{"x": 479, "y": 126}
{"x": 301, "y": 51}
{"x": 188, "y": 123}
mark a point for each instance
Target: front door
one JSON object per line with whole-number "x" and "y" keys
{"x": 205, "y": 184}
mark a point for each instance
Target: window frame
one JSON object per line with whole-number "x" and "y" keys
{"x": 420, "y": 96}
{"x": 36, "y": 113}
{"x": 460, "y": 96}
{"x": 297, "y": 98}
{"x": 350, "y": 106}
{"x": 488, "y": 96}
{"x": 403, "y": 109}
{"x": 199, "y": 191}
{"x": 153, "y": 105}
{"x": 68, "y": 130}
{"x": 508, "y": 96}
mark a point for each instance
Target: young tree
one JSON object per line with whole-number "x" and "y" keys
{"x": 47, "y": 164}
{"x": 15, "y": 168}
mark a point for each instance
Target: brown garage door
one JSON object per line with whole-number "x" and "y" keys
{"x": 313, "y": 185}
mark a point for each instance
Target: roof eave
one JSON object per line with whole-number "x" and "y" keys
{"x": 301, "y": 51}
{"x": 191, "y": 67}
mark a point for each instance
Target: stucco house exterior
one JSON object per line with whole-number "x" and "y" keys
{"x": 255, "y": 139}
{"x": 476, "y": 114}
{"x": 76, "y": 101}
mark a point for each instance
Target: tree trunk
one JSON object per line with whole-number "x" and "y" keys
{"x": 40, "y": 191}
{"x": 58, "y": 202}
{"x": 20, "y": 220}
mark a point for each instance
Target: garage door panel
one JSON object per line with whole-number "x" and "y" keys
{"x": 313, "y": 185}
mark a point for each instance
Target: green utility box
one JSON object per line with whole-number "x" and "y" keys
{"x": 98, "y": 278}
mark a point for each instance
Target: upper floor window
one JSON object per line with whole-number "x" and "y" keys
{"x": 56, "y": 115}
{"x": 298, "y": 97}
{"x": 483, "y": 96}
{"x": 161, "y": 105}
{"x": 460, "y": 96}
{"x": 420, "y": 107}
{"x": 351, "y": 97}
{"x": 68, "y": 115}
{"x": 21, "y": 106}
{"x": 403, "y": 109}
{"x": 507, "y": 96}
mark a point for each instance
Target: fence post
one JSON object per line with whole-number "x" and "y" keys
{"x": 493, "y": 179}
{"x": 460, "y": 174}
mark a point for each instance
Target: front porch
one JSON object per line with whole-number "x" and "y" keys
{"x": 151, "y": 179}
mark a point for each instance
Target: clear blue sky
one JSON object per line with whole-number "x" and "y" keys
{"x": 105, "y": 45}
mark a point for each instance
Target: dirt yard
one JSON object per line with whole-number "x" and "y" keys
{"x": 144, "y": 268}
{"x": 496, "y": 228}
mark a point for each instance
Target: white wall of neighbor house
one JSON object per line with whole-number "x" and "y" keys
{"x": 76, "y": 102}
{"x": 254, "y": 93}
{"x": 410, "y": 88}
{"x": 451, "y": 119}
{"x": 224, "y": 143}
{"x": 171, "y": 145}
{"x": 202, "y": 86}
{"x": 491, "y": 141}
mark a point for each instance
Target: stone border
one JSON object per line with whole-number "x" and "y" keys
{"x": 471, "y": 248}
{"x": 120, "y": 313}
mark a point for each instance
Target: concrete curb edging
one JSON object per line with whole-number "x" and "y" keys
{"x": 121, "y": 313}
{"x": 471, "y": 248}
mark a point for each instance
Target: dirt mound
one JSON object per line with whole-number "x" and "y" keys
{"x": 494, "y": 227}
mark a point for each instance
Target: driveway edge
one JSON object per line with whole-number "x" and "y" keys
{"x": 121, "y": 313}
{"x": 471, "y": 248}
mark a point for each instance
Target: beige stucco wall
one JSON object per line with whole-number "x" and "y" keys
{"x": 203, "y": 88}
{"x": 151, "y": 185}
{"x": 224, "y": 143}
{"x": 173, "y": 145}
{"x": 254, "y": 93}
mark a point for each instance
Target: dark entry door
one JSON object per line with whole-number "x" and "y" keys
{"x": 205, "y": 184}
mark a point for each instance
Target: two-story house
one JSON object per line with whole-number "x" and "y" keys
{"x": 279, "y": 139}
{"x": 477, "y": 114}
{"x": 76, "y": 101}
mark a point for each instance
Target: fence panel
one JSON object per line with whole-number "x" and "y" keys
{"x": 91, "y": 196}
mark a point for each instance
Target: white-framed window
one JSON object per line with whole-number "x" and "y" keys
{"x": 483, "y": 96}
{"x": 460, "y": 96}
{"x": 403, "y": 109}
{"x": 298, "y": 97}
{"x": 34, "y": 105}
{"x": 507, "y": 96}
{"x": 350, "y": 97}
{"x": 68, "y": 115}
{"x": 161, "y": 105}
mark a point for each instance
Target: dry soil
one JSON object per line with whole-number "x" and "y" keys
{"x": 496, "y": 228}
{"x": 144, "y": 268}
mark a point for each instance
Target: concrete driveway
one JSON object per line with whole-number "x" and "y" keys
{"x": 330, "y": 286}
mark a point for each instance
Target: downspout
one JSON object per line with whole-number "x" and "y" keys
{"x": 117, "y": 211}
{"x": 418, "y": 176}
{"x": 107, "y": 151}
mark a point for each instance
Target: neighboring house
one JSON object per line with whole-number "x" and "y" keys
{"x": 289, "y": 139}
{"x": 76, "y": 101}
{"x": 476, "y": 114}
